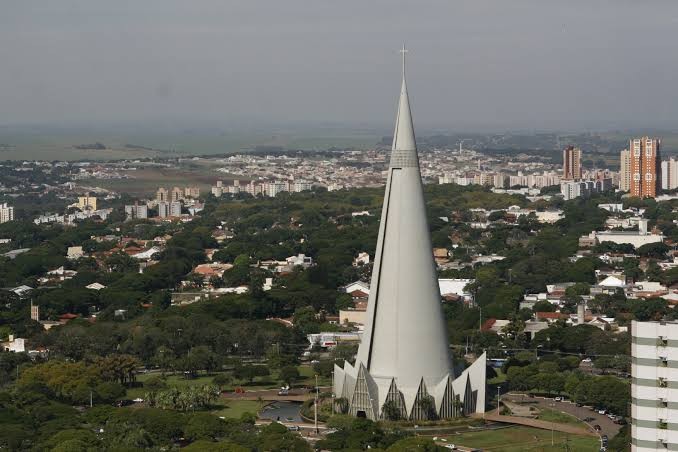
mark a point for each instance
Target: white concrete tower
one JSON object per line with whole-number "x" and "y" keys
{"x": 404, "y": 358}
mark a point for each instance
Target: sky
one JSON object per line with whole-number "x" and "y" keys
{"x": 472, "y": 65}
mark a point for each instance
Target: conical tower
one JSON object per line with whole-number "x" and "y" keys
{"x": 404, "y": 346}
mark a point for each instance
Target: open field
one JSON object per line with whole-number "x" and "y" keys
{"x": 559, "y": 417}
{"x": 145, "y": 181}
{"x": 519, "y": 439}
{"x": 22, "y": 143}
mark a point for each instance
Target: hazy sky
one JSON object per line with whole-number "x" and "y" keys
{"x": 493, "y": 64}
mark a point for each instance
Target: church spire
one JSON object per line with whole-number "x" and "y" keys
{"x": 403, "y": 137}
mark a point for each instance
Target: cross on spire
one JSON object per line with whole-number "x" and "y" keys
{"x": 403, "y": 51}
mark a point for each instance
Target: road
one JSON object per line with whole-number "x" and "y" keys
{"x": 608, "y": 427}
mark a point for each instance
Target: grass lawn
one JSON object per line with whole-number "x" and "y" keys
{"x": 559, "y": 417}
{"x": 172, "y": 380}
{"x": 235, "y": 408}
{"x": 500, "y": 378}
{"x": 519, "y": 439}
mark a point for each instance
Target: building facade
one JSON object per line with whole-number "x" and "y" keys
{"x": 654, "y": 386}
{"x": 6, "y": 213}
{"x": 571, "y": 163}
{"x": 87, "y": 203}
{"x": 625, "y": 170}
{"x": 136, "y": 211}
{"x": 669, "y": 174}
{"x": 162, "y": 195}
{"x": 645, "y": 167}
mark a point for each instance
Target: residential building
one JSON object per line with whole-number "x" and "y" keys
{"x": 571, "y": 163}
{"x": 645, "y": 167}
{"x": 6, "y": 213}
{"x": 163, "y": 209}
{"x": 175, "y": 209}
{"x": 669, "y": 174}
{"x": 177, "y": 194}
{"x": 654, "y": 399}
{"x": 87, "y": 203}
{"x": 192, "y": 192}
{"x": 162, "y": 195}
{"x": 625, "y": 170}
{"x": 136, "y": 211}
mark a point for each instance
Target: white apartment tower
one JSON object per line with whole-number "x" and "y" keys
{"x": 654, "y": 386}
{"x": 670, "y": 174}
{"x": 6, "y": 213}
{"x": 625, "y": 170}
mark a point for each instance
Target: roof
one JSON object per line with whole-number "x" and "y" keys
{"x": 454, "y": 286}
{"x": 612, "y": 281}
{"x": 550, "y": 315}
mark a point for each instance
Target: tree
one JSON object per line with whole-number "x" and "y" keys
{"x": 204, "y": 426}
{"x": 391, "y": 411}
{"x": 222, "y": 380}
{"x": 289, "y": 374}
{"x": 120, "y": 368}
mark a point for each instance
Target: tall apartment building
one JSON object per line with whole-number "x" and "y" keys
{"x": 136, "y": 211}
{"x": 571, "y": 163}
{"x": 645, "y": 167}
{"x": 175, "y": 209}
{"x": 654, "y": 386}
{"x": 625, "y": 170}
{"x": 669, "y": 174}
{"x": 177, "y": 194}
{"x": 87, "y": 203}
{"x": 192, "y": 192}
{"x": 6, "y": 213}
{"x": 163, "y": 209}
{"x": 162, "y": 195}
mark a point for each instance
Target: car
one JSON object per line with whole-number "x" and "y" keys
{"x": 293, "y": 428}
{"x": 559, "y": 399}
{"x": 450, "y": 446}
{"x": 589, "y": 419}
{"x": 602, "y": 411}
{"x": 597, "y": 428}
{"x": 604, "y": 437}
{"x": 620, "y": 421}
{"x": 315, "y": 361}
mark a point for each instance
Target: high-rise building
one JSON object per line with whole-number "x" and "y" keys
{"x": 163, "y": 209}
{"x": 177, "y": 194}
{"x": 136, "y": 211}
{"x": 162, "y": 195}
{"x": 6, "y": 213}
{"x": 625, "y": 173}
{"x": 192, "y": 192}
{"x": 35, "y": 312}
{"x": 404, "y": 368}
{"x": 669, "y": 174}
{"x": 645, "y": 167}
{"x": 571, "y": 163}
{"x": 175, "y": 209}
{"x": 654, "y": 399}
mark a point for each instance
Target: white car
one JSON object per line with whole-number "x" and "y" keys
{"x": 602, "y": 411}
{"x": 451, "y": 446}
{"x": 559, "y": 399}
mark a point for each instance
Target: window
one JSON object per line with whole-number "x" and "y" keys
{"x": 636, "y": 177}
{"x": 648, "y": 176}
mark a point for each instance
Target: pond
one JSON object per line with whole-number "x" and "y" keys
{"x": 282, "y": 411}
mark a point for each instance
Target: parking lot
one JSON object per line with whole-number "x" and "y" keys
{"x": 607, "y": 426}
